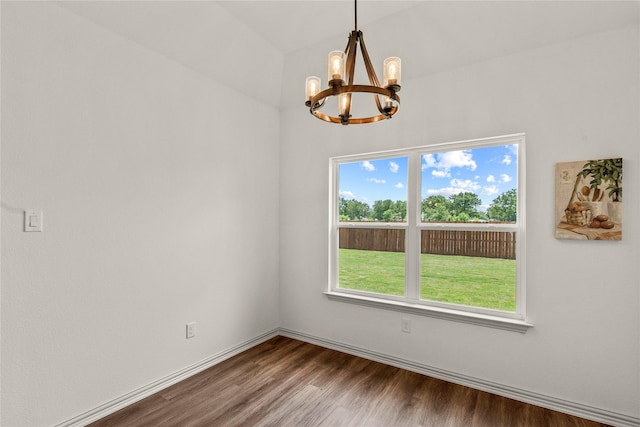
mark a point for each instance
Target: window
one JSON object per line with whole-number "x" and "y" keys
{"x": 435, "y": 230}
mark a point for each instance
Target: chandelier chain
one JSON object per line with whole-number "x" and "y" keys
{"x": 355, "y": 9}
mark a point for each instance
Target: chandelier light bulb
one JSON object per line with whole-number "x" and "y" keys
{"x": 343, "y": 104}
{"x": 336, "y": 66}
{"x": 391, "y": 72}
{"x": 312, "y": 87}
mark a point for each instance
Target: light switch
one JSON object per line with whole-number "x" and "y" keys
{"x": 32, "y": 221}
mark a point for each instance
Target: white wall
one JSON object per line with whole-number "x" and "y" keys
{"x": 576, "y": 100}
{"x": 160, "y": 208}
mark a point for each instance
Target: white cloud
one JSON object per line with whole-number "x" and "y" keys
{"x": 399, "y": 185}
{"x": 457, "y": 159}
{"x": 505, "y": 178}
{"x": 446, "y": 191}
{"x": 393, "y": 167}
{"x": 376, "y": 180}
{"x": 444, "y": 162}
{"x": 368, "y": 166}
{"x": 429, "y": 161}
{"x": 490, "y": 190}
{"x": 491, "y": 178}
{"x": 506, "y": 160}
{"x": 465, "y": 184}
{"x": 457, "y": 186}
{"x": 347, "y": 194}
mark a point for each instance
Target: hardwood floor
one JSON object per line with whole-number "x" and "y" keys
{"x": 285, "y": 382}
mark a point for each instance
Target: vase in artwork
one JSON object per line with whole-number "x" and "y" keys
{"x": 614, "y": 210}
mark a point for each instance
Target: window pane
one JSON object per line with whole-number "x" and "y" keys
{"x": 474, "y": 185}
{"x": 373, "y": 190}
{"x": 472, "y": 268}
{"x": 372, "y": 260}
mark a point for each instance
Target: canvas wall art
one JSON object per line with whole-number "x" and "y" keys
{"x": 589, "y": 199}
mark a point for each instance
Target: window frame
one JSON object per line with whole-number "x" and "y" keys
{"x": 413, "y": 226}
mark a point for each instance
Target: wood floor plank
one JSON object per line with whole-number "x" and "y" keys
{"x": 284, "y": 382}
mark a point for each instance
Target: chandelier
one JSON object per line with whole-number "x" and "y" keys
{"x": 343, "y": 88}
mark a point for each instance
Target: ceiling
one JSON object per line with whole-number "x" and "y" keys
{"x": 273, "y": 45}
{"x": 292, "y": 25}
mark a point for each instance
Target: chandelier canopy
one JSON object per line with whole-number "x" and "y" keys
{"x": 343, "y": 88}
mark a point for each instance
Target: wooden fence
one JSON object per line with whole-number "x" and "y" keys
{"x": 372, "y": 239}
{"x": 487, "y": 244}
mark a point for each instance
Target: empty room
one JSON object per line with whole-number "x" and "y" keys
{"x": 240, "y": 213}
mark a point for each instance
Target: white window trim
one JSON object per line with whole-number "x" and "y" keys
{"x": 411, "y": 302}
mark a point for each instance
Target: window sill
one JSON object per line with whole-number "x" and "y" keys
{"x": 496, "y": 322}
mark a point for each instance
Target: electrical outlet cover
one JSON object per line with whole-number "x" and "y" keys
{"x": 191, "y": 330}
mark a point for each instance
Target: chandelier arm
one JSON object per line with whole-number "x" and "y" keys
{"x": 371, "y": 73}
{"x": 352, "y": 49}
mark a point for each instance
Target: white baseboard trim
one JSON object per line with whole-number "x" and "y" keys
{"x": 154, "y": 387}
{"x": 572, "y": 408}
{"x": 549, "y": 402}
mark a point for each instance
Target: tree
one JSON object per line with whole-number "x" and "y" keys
{"x": 388, "y": 210}
{"x": 462, "y": 217}
{"x": 379, "y": 208}
{"x": 353, "y": 210}
{"x": 436, "y": 208}
{"x": 504, "y": 207}
{"x": 464, "y": 203}
{"x": 397, "y": 212}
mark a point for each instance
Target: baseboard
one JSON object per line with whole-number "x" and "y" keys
{"x": 154, "y": 387}
{"x": 572, "y": 408}
{"x": 549, "y": 402}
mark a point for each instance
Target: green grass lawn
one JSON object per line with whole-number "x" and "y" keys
{"x": 473, "y": 281}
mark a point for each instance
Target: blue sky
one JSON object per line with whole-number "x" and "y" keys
{"x": 487, "y": 172}
{"x": 373, "y": 180}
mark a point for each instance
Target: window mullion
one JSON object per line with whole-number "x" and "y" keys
{"x": 412, "y": 237}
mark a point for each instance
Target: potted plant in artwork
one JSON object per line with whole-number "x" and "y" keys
{"x": 609, "y": 173}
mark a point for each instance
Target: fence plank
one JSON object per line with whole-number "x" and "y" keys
{"x": 486, "y": 244}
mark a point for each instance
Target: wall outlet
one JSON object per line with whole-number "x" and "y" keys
{"x": 191, "y": 330}
{"x": 405, "y": 325}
